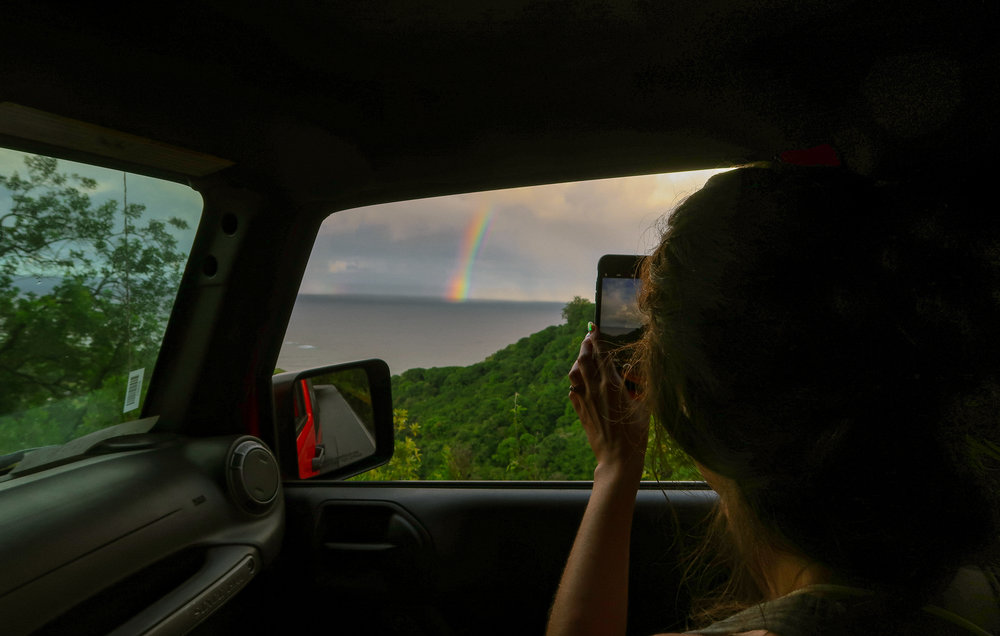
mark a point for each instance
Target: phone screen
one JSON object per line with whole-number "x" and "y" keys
{"x": 620, "y": 317}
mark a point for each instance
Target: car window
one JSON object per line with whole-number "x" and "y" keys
{"x": 478, "y": 303}
{"x": 90, "y": 262}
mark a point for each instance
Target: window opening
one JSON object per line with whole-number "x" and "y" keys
{"x": 478, "y": 303}
{"x": 90, "y": 263}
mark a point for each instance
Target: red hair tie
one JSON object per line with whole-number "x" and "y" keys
{"x": 823, "y": 155}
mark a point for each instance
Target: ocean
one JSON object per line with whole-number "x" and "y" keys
{"x": 407, "y": 332}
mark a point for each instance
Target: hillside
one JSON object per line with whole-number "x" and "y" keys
{"x": 507, "y": 417}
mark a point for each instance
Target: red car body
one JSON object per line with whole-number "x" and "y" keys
{"x": 308, "y": 433}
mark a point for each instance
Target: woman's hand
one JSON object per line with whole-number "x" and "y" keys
{"x": 615, "y": 419}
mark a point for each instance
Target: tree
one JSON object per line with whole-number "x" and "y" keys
{"x": 109, "y": 281}
{"x": 406, "y": 458}
{"x": 469, "y": 429}
{"x": 578, "y": 311}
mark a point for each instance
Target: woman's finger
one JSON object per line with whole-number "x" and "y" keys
{"x": 586, "y": 370}
{"x": 603, "y": 362}
{"x": 576, "y": 377}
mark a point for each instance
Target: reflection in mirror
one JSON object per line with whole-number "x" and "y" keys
{"x": 342, "y": 418}
{"x": 334, "y": 421}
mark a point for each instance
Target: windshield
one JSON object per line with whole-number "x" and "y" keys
{"x": 90, "y": 262}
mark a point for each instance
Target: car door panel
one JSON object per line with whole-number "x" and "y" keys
{"x": 456, "y": 558}
{"x": 148, "y": 534}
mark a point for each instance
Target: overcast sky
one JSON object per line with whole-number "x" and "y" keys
{"x": 163, "y": 199}
{"x": 541, "y": 243}
{"x": 538, "y": 243}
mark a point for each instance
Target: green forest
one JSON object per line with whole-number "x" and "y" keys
{"x": 507, "y": 417}
{"x": 85, "y": 291}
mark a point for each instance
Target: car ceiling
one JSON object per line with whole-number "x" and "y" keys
{"x": 342, "y": 104}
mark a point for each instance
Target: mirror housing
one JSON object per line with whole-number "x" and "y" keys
{"x": 333, "y": 421}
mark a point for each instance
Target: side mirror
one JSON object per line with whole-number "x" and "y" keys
{"x": 333, "y": 421}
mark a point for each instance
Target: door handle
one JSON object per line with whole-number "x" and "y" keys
{"x": 226, "y": 570}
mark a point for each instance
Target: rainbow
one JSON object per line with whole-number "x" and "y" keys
{"x": 475, "y": 234}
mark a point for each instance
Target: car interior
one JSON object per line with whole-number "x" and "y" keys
{"x": 198, "y": 517}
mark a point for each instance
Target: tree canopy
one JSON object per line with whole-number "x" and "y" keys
{"x": 507, "y": 417}
{"x": 85, "y": 290}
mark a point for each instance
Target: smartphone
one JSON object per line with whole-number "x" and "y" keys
{"x": 617, "y": 313}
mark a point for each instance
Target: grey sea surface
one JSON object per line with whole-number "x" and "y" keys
{"x": 407, "y": 332}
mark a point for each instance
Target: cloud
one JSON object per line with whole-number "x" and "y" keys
{"x": 163, "y": 199}
{"x": 335, "y": 267}
{"x": 543, "y": 243}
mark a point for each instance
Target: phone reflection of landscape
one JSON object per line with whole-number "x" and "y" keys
{"x": 620, "y": 314}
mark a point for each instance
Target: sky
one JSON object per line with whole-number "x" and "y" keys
{"x": 163, "y": 199}
{"x": 537, "y": 243}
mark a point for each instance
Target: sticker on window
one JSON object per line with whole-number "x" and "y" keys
{"x": 133, "y": 390}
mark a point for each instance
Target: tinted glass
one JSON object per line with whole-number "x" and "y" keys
{"x": 90, "y": 262}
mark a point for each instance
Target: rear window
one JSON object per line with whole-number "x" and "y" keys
{"x": 90, "y": 263}
{"x": 478, "y": 303}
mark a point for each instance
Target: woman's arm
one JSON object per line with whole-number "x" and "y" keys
{"x": 593, "y": 594}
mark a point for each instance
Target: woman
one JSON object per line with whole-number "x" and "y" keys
{"x": 827, "y": 349}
